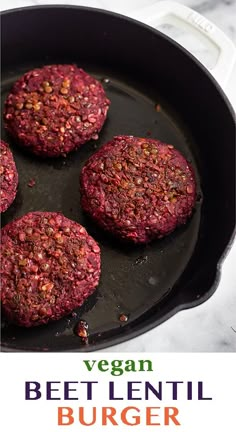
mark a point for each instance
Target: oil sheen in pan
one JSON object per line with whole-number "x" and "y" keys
{"x": 134, "y": 278}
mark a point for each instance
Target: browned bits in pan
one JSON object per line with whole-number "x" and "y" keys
{"x": 123, "y": 318}
{"x": 31, "y": 183}
{"x": 81, "y": 329}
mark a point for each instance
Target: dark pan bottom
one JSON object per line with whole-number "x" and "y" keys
{"x": 134, "y": 279}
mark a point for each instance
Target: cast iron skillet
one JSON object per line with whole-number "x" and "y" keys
{"x": 140, "y": 68}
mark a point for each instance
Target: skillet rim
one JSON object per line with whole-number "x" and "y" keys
{"x": 139, "y": 330}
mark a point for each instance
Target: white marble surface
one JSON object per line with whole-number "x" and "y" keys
{"x": 210, "y": 327}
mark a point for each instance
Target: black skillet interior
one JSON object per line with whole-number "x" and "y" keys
{"x": 139, "y": 68}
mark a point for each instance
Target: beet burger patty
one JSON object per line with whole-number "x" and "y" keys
{"x": 8, "y": 177}
{"x": 55, "y": 109}
{"x": 137, "y": 188}
{"x": 49, "y": 266}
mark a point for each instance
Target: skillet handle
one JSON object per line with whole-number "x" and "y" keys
{"x": 180, "y": 16}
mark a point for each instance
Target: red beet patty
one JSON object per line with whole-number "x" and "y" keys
{"x": 49, "y": 266}
{"x": 8, "y": 177}
{"x": 55, "y": 109}
{"x": 138, "y": 188}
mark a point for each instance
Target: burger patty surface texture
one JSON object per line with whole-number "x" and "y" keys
{"x": 8, "y": 177}
{"x": 138, "y": 189}
{"x": 55, "y": 109}
{"x": 49, "y": 266}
